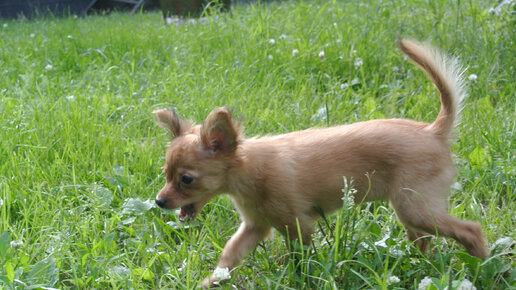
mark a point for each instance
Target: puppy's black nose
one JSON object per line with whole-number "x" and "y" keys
{"x": 161, "y": 202}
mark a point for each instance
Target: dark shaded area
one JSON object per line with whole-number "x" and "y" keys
{"x": 191, "y": 7}
{"x": 35, "y": 8}
{"x": 38, "y": 8}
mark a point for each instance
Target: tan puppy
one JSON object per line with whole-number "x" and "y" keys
{"x": 277, "y": 180}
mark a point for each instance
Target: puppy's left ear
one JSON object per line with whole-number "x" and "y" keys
{"x": 218, "y": 132}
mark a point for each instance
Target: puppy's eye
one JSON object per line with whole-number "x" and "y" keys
{"x": 186, "y": 179}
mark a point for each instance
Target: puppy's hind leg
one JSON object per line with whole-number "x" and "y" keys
{"x": 427, "y": 213}
{"x": 419, "y": 239}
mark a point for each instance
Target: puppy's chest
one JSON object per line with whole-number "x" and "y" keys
{"x": 250, "y": 210}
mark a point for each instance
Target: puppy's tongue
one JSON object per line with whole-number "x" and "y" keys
{"x": 186, "y": 213}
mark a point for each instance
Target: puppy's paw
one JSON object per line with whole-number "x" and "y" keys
{"x": 207, "y": 283}
{"x": 216, "y": 278}
{"x": 210, "y": 282}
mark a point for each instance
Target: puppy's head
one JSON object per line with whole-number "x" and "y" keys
{"x": 197, "y": 160}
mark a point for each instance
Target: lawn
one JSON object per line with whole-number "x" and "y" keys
{"x": 81, "y": 155}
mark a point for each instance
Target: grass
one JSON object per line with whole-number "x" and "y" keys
{"x": 80, "y": 154}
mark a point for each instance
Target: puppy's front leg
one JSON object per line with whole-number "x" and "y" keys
{"x": 240, "y": 244}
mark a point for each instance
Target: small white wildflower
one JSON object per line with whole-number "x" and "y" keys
{"x": 344, "y": 86}
{"x": 321, "y": 54}
{"x": 466, "y": 285}
{"x": 348, "y": 197}
{"x": 32, "y": 35}
{"x": 353, "y": 52}
{"x": 48, "y": 67}
{"x": 358, "y": 62}
{"x": 492, "y": 11}
{"x": 270, "y": 57}
{"x": 472, "y": 77}
{"x": 169, "y": 20}
{"x": 321, "y": 115}
{"x": 381, "y": 243}
{"x": 500, "y": 7}
{"x": 392, "y": 280}
{"x": 15, "y": 244}
{"x": 396, "y": 253}
{"x": 71, "y": 97}
{"x": 272, "y": 41}
{"x": 69, "y": 37}
{"x": 355, "y": 82}
{"x": 5, "y": 25}
{"x": 424, "y": 283}
{"x": 221, "y": 274}
{"x": 295, "y": 52}
{"x": 1, "y": 202}
{"x": 395, "y": 69}
{"x": 282, "y": 37}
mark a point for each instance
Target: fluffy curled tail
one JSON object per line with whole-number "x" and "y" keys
{"x": 447, "y": 75}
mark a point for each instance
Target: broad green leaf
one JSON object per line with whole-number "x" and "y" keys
{"x": 479, "y": 158}
{"x": 9, "y": 270}
{"x": 501, "y": 245}
{"x": 4, "y": 243}
{"x": 136, "y": 206}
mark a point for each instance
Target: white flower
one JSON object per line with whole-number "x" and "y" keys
{"x": 69, "y": 37}
{"x": 48, "y": 67}
{"x": 393, "y": 280}
{"x": 71, "y": 97}
{"x": 472, "y": 77}
{"x": 320, "y": 115}
{"x": 355, "y": 81}
{"x": 1, "y": 202}
{"x": 500, "y": 7}
{"x": 272, "y": 41}
{"x": 32, "y": 35}
{"x": 466, "y": 285}
{"x": 381, "y": 243}
{"x": 15, "y": 244}
{"x": 282, "y": 37}
{"x": 270, "y": 57}
{"x": 321, "y": 54}
{"x": 221, "y": 274}
{"x": 344, "y": 86}
{"x": 424, "y": 283}
{"x": 295, "y": 52}
{"x": 5, "y": 25}
{"x": 348, "y": 197}
{"x": 358, "y": 62}
{"x": 169, "y": 20}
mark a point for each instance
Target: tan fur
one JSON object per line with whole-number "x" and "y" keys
{"x": 280, "y": 179}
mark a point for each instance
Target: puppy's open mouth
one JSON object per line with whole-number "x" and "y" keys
{"x": 187, "y": 213}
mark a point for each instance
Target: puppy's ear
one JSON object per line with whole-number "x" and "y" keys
{"x": 170, "y": 121}
{"x": 218, "y": 132}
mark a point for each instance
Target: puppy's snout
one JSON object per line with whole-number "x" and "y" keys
{"x": 161, "y": 202}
